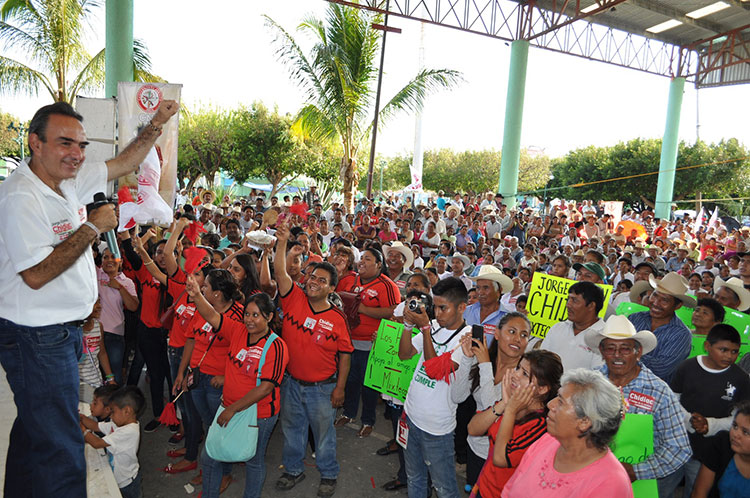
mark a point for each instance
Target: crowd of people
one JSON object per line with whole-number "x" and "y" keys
{"x": 260, "y": 310}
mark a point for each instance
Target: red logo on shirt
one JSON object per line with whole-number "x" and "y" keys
{"x": 642, "y": 401}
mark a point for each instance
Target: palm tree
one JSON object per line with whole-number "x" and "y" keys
{"x": 50, "y": 34}
{"x": 337, "y": 78}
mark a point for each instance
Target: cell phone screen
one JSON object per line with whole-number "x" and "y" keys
{"x": 477, "y": 332}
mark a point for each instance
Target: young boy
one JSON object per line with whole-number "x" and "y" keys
{"x": 99, "y": 406}
{"x": 709, "y": 386}
{"x": 121, "y": 438}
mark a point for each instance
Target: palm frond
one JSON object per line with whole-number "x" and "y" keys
{"x": 22, "y": 41}
{"x": 316, "y": 124}
{"x": 90, "y": 77}
{"x": 16, "y": 77}
{"x": 412, "y": 96}
{"x": 17, "y": 8}
{"x": 142, "y": 64}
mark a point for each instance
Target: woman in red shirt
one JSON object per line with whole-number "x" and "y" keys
{"x": 241, "y": 391}
{"x": 517, "y": 420}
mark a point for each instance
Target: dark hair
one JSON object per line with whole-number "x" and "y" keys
{"x": 492, "y": 350}
{"x": 432, "y": 270}
{"x": 222, "y": 281}
{"x": 523, "y": 298}
{"x": 264, "y": 303}
{"x": 375, "y": 254}
{"x": 420, "y": 276}
{"x": 723, "y": 332}
{"x": 627, "y": 283}
{"x": 546, "y": 368}
{"x": 129, "y": 396}
{"x": 325, "y": 266}
{"x": 233, "y": 222}
{"x": 591, "y": 293}
{"x": 211, "y": 240}
{"x": 252, "y": 281}
{"x": 104, "y": 393}
{"x": 39, "y": 122}
{"x": 599, "y": 257}
{"x": 714, "y": 306}
{"x": 743, "y": 408}
{"x": 451, "y": 289}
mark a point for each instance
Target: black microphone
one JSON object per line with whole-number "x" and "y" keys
{"x": 100, "y": 200}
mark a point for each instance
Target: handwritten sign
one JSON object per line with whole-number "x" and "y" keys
{"x": 633, "y": 444}
{"x": 736, "y": 319}
{"x": 385, "y": 372}
{"x": 547, "y": 302}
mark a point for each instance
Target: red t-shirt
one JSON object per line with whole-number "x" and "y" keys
{"x": 382, "y": 292}
{"x": 184, "y": 310}
{"x": 493, "y": 478}
{"x": 347, "y": 282}
{"x": 241, "y": 371}
{"x": 313, "y": 339}
{"x": 200, "y": 330}
{"x": 150, "y": 297}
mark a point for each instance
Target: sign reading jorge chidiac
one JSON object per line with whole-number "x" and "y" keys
{"x": 548, "y": 297}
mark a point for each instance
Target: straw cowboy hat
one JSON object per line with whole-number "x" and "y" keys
{"x": 735, "y": 285}
{"x": 673, "y": 285}
{"x": 208, "y": 206}
{"x": 463, "y": 258}
{"x": 450, "y": 208}
{"x": 210, "y": 194}
{"x": 401, "y": 249}
{"x": 488, "y": 272}
{"x": 619, "y": 328}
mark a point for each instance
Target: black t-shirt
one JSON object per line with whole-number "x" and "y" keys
{"x": 716, "y": 457}
{"x": 712, "y": 393}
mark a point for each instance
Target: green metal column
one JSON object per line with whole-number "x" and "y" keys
{"x": 511, "y": 155}
{"x": 119, "y": 45}
{"x": 668, "y": 162}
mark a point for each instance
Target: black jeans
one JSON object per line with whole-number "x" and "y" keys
{"x": 152, "y": 344}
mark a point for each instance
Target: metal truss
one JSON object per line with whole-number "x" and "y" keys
{"x": 561, "y": 26}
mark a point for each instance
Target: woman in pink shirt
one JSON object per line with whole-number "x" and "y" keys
{"x": 573, "y": 459}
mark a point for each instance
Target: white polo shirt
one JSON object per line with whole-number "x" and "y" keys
{"x": 572, "y": 348}
{"x": 34, "y": 220}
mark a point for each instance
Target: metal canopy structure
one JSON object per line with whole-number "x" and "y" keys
{"x": 673, "y": 38}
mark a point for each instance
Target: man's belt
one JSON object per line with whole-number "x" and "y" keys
{"x": 329, "y": 380}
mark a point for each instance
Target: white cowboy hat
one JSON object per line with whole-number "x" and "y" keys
{"x": 619, "y": 328}
{"x": 401, "y": 249}
{"x": 673, "y": 284}
{"x": 735, "y": 285}
{"x": 487, "y": 272}
{"x": 639, "y": 288}
{"x": 450, "y": 208}
{"x": 463, "y": 258}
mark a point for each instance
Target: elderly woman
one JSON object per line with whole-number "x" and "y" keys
{"x": 573, "y": 459}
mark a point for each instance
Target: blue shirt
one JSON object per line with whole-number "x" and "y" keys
{"x": 441, "y": 203}
{"x": 652, "y": 396}
{"x": 672, "y": 347}
{"x": 490, "y": 323}
{"x": 674, "y": 264}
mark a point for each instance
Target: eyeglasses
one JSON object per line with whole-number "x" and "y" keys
{"x": 612, "y": 350}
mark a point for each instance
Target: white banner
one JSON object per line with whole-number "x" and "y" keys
{"x": 614, "y": 209}
{"x": 136, "y": 105}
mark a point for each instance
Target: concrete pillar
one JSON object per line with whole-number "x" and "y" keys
{"x": 668, "y": 162}
{"x": 118, "y": 45}
{"x": 511, "y": 154}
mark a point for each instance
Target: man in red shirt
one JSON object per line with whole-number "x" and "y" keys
{"x": 317, "y": 337}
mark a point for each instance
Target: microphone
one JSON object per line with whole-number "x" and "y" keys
{"x": 100, "y": 200}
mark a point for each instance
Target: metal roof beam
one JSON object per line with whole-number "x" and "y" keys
{"x": 669, "y": 11}
{"x": 739, "y": 3}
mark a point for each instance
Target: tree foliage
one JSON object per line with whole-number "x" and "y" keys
{"x": 205, "y": 144}
{"x": 50, "y": 34}
{"x": 338, "y": 79}
{"x": 8, "y": 145}
{"x": 476, "y": 171}
{"x": 643, "y": 155}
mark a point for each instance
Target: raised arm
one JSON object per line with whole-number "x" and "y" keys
{"x": 283, "y": 280}
{"x": 203, "y": 307}
{"x": 135, "y": 152}
{"x": 147, "y": 261}
{"x": 170, "y": 260}
{"x": 266, "y": 283}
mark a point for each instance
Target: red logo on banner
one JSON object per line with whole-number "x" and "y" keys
{"x": 149, "y": 97}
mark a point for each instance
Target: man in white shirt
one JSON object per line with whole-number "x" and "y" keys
{"x": 568, "y": 338}
{"x": 492, "y": 226}
{"x": 48, "y": 287}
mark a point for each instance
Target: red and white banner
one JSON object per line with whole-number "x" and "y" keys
{"x": 614, "y": 209}
{"x": 136, "y": 105}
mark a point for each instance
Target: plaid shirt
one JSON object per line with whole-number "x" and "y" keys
{"x": 672, "y": 348}
{"x": 671, "y": 444}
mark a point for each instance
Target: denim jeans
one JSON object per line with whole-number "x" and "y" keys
{"x": 133, "y": 490}
{"x": 207, "y": 400}
{"x": 434, "y": 454}
{"x": 667, "y": 485}
{"x": 303, "y": 406}
{"x": 255, "y": 468}
{"x": 115, "y": 346}
{"x": 191, "y": 420}
{"x": 45, "y": 454}
{"x": 355, "y": 386}
{"x": 153, "y": 346}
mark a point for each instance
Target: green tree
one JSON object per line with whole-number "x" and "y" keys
{"x": 8, "y": 144}
{"x": 205, "y": 145}
{"x": 50, "y": 34}
{"x": 265, "y": 145}
{"x": 338, "y": 78}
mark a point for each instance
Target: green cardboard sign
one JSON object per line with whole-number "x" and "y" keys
{"x": 385, "y": 372}
{"x": 633, "y": 444}
{"x": 547, "y": 301}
